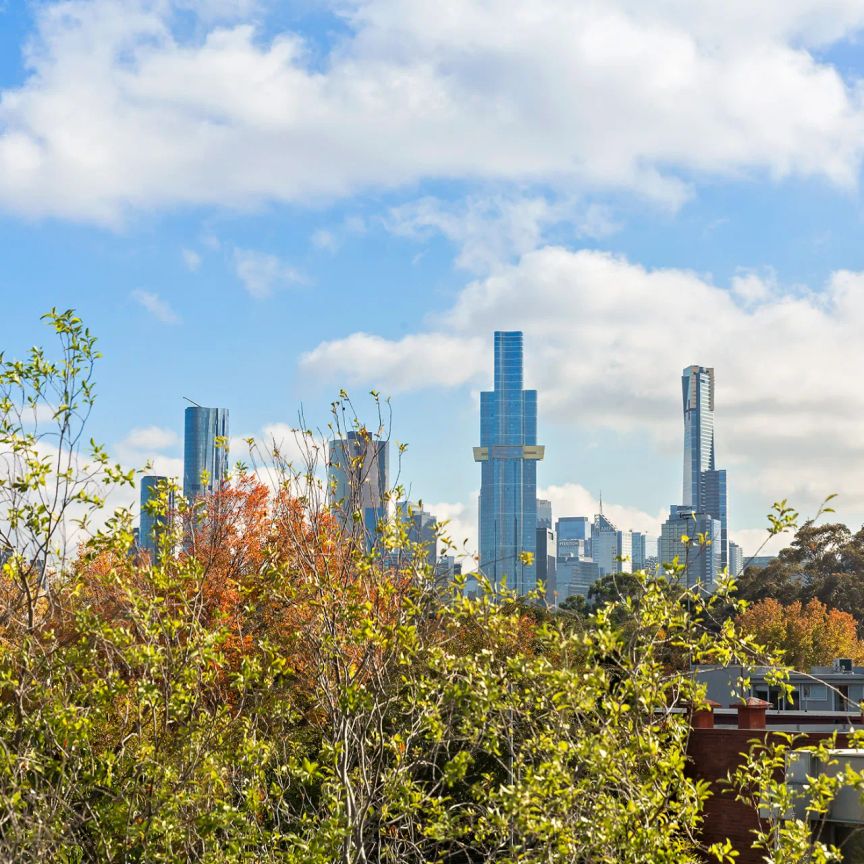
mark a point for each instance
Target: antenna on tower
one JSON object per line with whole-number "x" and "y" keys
{"x": 192, "y": 402}
{"x": 601, "y": 502}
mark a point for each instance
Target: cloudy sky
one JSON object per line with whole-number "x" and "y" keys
{"x": 254, "y": 204}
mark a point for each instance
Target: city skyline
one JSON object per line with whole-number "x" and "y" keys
{"x": 517, "y": 545}
{"x": 235, "y": 224}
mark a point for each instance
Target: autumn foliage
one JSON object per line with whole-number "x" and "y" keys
{"x": 809, "y": 634}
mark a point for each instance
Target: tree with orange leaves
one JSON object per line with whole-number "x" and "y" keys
{"x": 809, "y": 634}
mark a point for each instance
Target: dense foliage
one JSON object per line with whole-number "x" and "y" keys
{"x": 269, "y": 689}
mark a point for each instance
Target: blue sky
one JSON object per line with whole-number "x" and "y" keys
{"x": 255, "y": 204}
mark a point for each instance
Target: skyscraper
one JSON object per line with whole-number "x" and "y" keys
{"x": 544, "y": 513}
{"x": 358, "y": 477}
{"x": 736, "y": 559}
{"x": 703, "y": 563}
{"x": 574, "y": 537}
{"x": 704, "y": 489}
{"x": 697, "y": 385}
{"x": 152, "y": 524}
{"x": 421, "y": 527}
{"x": 205, "y": 450}
{"x": 508, "y": 456}
{"x": 611, "y": 549}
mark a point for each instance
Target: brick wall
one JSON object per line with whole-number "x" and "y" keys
{"x": 713, "y": 754}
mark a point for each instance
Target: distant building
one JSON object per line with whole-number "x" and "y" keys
{"x": 575, "y": 577}
{"x": 544, "y": 513}
{"x": 702, "y": 562}
{"x": 205, "y": 451}
{"x": 446, "y": 567}
{"x": 704, "y": 487}
{"x": 759, "y": 561}
{"x": 639, "y": 554}
{"x": 839, "y": 687}
{"x": 546, "y": 563}
{"x": 736, "y": 559}
{"x": 152, "y": 525}
{"x": 573, "y": 536}
{"x": 358, "y": 481}
{"x": 609, "y": 546}
{"x": 423, "y": 529}
{"x": 508, "y": 456}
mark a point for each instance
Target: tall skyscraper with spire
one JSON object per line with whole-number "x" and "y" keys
{"x": 704, "y": 485}
{"x": 508, "y": 456}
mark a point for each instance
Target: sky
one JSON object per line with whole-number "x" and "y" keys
{"x": 256, "y": 204}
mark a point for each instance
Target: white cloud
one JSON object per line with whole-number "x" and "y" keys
{"x": 152, "y": 438}
{"x": 119, "y": 112}
{"x": 606, "y": 340}
{"x": 489, "y": 230}
{"x": 461, "y": 528}
{"x": 436, "y": 359}
{"x": 192, "y": 260}
{"x": 156, "y": 306}
{"x": 261, "y": 273}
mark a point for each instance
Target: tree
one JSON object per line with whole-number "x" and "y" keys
{"x": 277, "y": 689}
{"x": 808, "y": 634}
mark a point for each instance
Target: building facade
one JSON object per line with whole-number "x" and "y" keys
{"x": 639, "y": 554}
{"x": 358, "y": 482}
{"x": 736, "y": 559}
{"x": 508, "y": 456}
{"x": 152, "y": 524}
{"x": 422, "y": 529}
{"x": 574, "y": 536}
{"x": 703, "y": 564}
{"x": 704, "y": 486}
{"x": 546, "y": 563}
{"x": 544, "y": 513}
{"x": 205, "y": 451}
{"x": 611, "y": 549}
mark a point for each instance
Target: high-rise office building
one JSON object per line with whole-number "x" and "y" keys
{"x": 736, "y": 559}
{"x": 703, "y": 564}
{"x": 205, "y": 451}
{"x": 574, "y": 536}
{"x": 546, "y": 563}
{"x": 422, "y": 528}
{"x": 704, "y": 487}
{"x": 358, "y": 478}
{"x": 508, "y": 456}
{"x": 544, "y": 513}
{"x": 639, "y": 554}
{"x": 152, "y": 524}
{"x": 611, "y": 549}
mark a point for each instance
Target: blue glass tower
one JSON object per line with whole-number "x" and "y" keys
{"x": 152, "y": 525}
{"x": 508, "y": 456}
{"x": 205, "y": 451}
{"x": 697, "y": 385}
{"x": 704, "y": 485}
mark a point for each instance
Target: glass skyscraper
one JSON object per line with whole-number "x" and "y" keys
{"x": 205, "y": 451}
{"x": 358, "y": 479}
{"x": 508, "y": 456}
{"x": 703, "y": 563}
{"x": 697, "y": 385}
{"x": 704, "y": 489}
{"x": 152, "y": 524}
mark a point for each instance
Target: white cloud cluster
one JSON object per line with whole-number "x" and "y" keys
{"x": 120, "y": 112}
{"x": 606, "y": 340}
{"x": 262, "y": 273}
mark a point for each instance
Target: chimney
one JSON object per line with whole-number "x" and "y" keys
{"x": 751, "y": 713}
{"x": 703, "y": 717}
